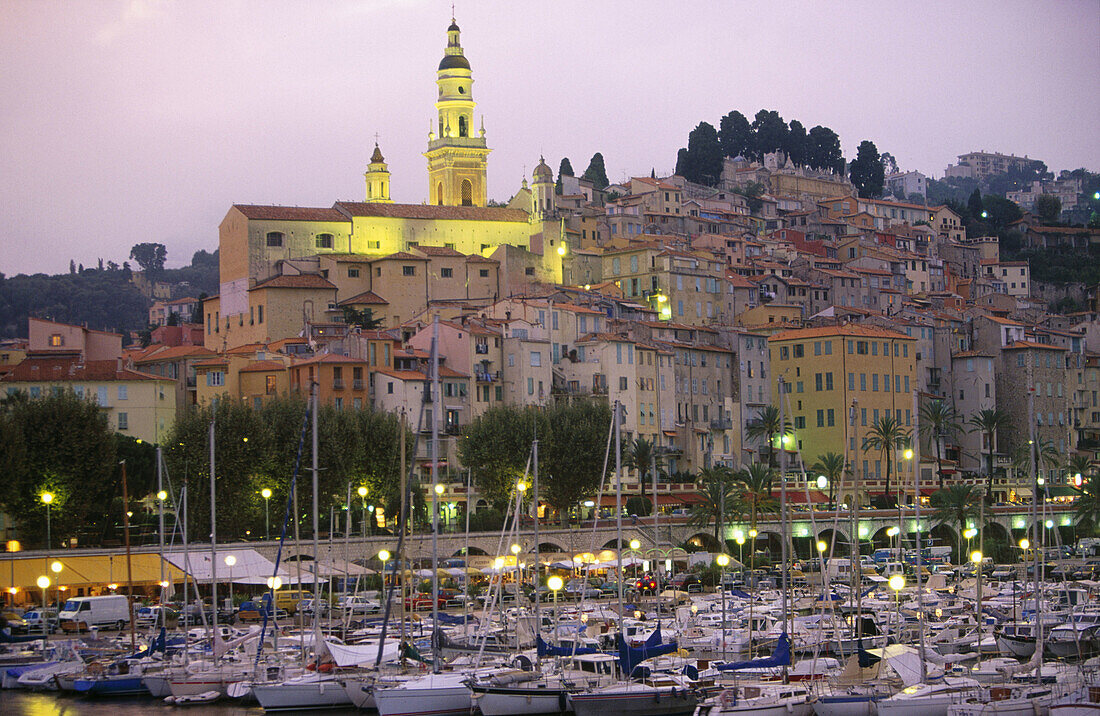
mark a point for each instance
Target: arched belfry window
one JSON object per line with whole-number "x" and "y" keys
{"x": 462, "y": 128}
{"x": 467, "y": 193}
{"x": 439, "y": 193}
{"x": 274, "y": 239}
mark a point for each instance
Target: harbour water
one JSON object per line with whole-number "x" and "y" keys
{"x": 26, "y": 703}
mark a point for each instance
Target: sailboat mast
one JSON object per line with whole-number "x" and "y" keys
{"x": 1036, "y": 543}
{"x": 920, "y": 556}
{"x": 213, "y": 538}
{"x": 783, "y": 507}
{"x": 160, "y": 531}
{"x": 619, "y": 509}
{"x": 316, "y": 508}
{"x": 535, "y": 486}
{"x": 436, "y": 397}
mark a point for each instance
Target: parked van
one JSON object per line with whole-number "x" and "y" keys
{"x": 287, "y": 599}
{"x": 80, "y": 613}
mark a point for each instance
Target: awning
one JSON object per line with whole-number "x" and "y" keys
{"x": 928, "y": 491}
{"x": 250, "y": 567}
{"x": 1023, "y": 492}
{"x": 1060, "y": 491}
{"x": 670, "y": 433}
{"x": 84, "y": 571}
{"x": 799, "y": 497}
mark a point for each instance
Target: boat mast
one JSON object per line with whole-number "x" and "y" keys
{"x": 213, "y": 537}
{"x": 920, "y": 555}
{"x": 316, "y": 526}
{"x": 129, "y": 565}
{"x": 619, "y": 509}
{"x": 1036, "y": 543}
{"x": 783, "y": 514}
{"x": 436, "y": 397}
{"x": 536, "y": 565}
{"x": 160, "y": 520}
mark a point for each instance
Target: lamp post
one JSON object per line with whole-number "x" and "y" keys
{"x": 555, "y": 585}
{"x": 230, "y": 560}
{"x": 739, "y": 538}
{"x": 515, "y": 550}
{"x": 12, "y": 546}
{"x": 822, "y": 483}
{"x": 897, "y": 583}
{"x": 895, "y": 532}
{"x": 1024, "y": 544}
{"x": 384, "y": 555}
{"x": 266, "y": 494}
{"x": 47, "y": 499}
{"x": 362, "y": 492}
{"x": 44, "y": 585}
{"x": 723, "y": 561}
{"x": 439, "y": 490}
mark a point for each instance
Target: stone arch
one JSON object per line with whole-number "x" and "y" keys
{"x": 996, "y": 530}
{"x": 467, "y": 193}
{"x": 463, "y": 129}
{"x": 550, "y": 547}
{"x": 770, "y": 542}
{"x": 702, "y": 542}
{"x": 614, "y": 543}
{"x": 461, "y": 552}
{"x": 836, "y": 540}
{"x": 943, "y": 534}
{"x": 881, "y": 540}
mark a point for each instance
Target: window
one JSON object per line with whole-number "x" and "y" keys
{"x": 536, "y": 359}
{"x": 820, "y": 418}
{"x": 817, "y": 348}
{"x": 863, "y": 381}
{"x": 529, "y": 271}
{"x": 483, "y": 273}
{"x": 530, "y": 386}
{"x": 269, "y": 385}
{"x": 215, "y": 378}
{"x": 338, "y": 403}
{"x": 353, "y": 272}
{"x": 467, "y": 187}
{"x": 818, "y": 383}
{"x": 874, "y": 382}
{"x": 784, "y": 353}
{"x": 389, "y": 387}
{"x": 324, "y": 241}
{"x": 260, "y": 314}
{"x": 408, "y": 270}
{"x": 622, "y": 383}
{"x": 830, "y": 418}
{"x": 797, "y": 350}
{"x": 446, "y": 273}
{"x": 57, "y": 340}
{"x": 861, "y": 347}
{"x": 274, "y": 239}
{"x": 122, "y": 392}
{"x": 123, "y": 421}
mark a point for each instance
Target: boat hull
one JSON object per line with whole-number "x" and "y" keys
{"x": 301, "y": 697}
{"x": 635, "y": 704}
{"x": 109, "y": 686}
{"x": 504, "y": 701}
{"x": 846, "y": 706}
{"x": 440, "y": 701}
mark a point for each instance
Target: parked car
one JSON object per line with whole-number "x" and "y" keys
{"x": 13, "y": 621}
{"x": 357, "y": 604}
{"x": 156, "y": 615}
{"x": 646, "y": 584}
{"x": 34, "y": 619}
{"x": 305, "y": 606}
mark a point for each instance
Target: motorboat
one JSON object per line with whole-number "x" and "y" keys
{"x": 930, "y": 699}
{"x": 760, "y": 700}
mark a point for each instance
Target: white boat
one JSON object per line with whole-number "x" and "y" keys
{"x": 760, "y": 700}
{"x": 306, "y": 692}
{"x": 44, "y": 679}
{"x": 663, "y": 695}
{"x": 1084, "y": 701}
{"x": 930, "y": 699}
{"x": 205, "y": 697}
{"x": 1031, "y": 700}
{"x": 435, "y": 694}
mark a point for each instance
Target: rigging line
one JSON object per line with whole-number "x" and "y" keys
{"x": 287, "y": 513}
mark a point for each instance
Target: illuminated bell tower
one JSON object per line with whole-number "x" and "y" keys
{"x": 377, "y": 178}
{"x": 456, "y": 158}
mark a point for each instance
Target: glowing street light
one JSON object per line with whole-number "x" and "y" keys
{"x": 515, "y": 548}
{"x": 635, "y": 544}
{"x": 822, "y": 482}
{"x": 56, "y": 567}
{"x": 976, "y": 556}
{"x": 555, "y": 584}
{"x": 1025, "y": 543}
{"x": 821, "y": 546}
{"x": 897, "y": 582}
{"x": 230, "y": 560}
{"x": 273, "y": 583}
{"x": 266, "y": 494}
{"x": 439, "y": 489}
{"x": 521, "y": 486}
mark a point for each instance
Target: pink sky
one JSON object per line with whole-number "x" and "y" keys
{"x": 144, "y": 120}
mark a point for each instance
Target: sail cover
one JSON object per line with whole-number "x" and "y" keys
{"x": 780, "y": 657}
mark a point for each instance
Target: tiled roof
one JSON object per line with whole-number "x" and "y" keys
{"x": 173, "y": 353}
{"x": 69, "y": 369}
{"x": 263, "y": 366}
{"x": 365, "y": 297}
{"x": 431, "y": 212}
{"x": 289, "y": 213}
{"x": 438, "y": 251}
{"x": 328, "y": 358}
{"x": 1018, "y": 345}
{"x": 402, "y": 256}
{"x": 848, "y": 330}
{"x": 307, "y": 280}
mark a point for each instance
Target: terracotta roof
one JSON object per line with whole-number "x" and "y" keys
{"x": 307, "y": 280}
{"x": 438, "y": 251}
{"x": 1019, "y": 345}
{"x": 444, "y": 372}
{"x": 289, "y": 213}
{"x": 971, "y": 354}
{"x": 430, "y": 212}
{"x": 68, "y": 368}
{"x": 329, "y": 358}
{"x": 211, "y": 363}
{"x": 479, "y": 259}
{"x": 263, "y": 366}
{"x": 365, "y": 297}
{"x": 173, "y": 353}
{"x": 854, "y": 330}
{"x": 402, "y": 256}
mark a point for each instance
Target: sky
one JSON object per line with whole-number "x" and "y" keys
{"x": 125, "y": 121}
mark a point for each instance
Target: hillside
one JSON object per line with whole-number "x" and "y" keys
{"x": 102, "y": 298}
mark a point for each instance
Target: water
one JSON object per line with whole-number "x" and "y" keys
{"x": 25, "y": 703}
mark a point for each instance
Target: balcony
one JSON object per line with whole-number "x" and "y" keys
{"x": 337, "y": 383}
{"x": 452, "y": 429}
{"x": 721, "y": 424}
{"x": 487, "y": 376}
{"x": 481, "y": 348}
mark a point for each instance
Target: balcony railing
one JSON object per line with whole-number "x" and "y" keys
{"x": 721, "y": 424}
{"x": 481, "y": 348}
{"x": 337, "y": 383}
{"x": 487, "y": 377}
{"x": 357, "y": 384}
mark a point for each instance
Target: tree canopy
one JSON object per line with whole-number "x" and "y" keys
{"x": 701, "y": 162}
{"x": 866, "y": 172}
{"x": 596, "y": 173}
{"x": 150, "y": 256}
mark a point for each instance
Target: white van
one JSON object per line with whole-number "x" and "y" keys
{"x": 80, "y": 613}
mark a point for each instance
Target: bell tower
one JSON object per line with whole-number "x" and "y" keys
{"x": 456, "y": 158}
{"x": 377, "y": 178}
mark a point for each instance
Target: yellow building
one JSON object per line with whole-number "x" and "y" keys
{"x": 260, "y": 242}
{"x": 137, "y": 404}
{"x": 829, "y": 372}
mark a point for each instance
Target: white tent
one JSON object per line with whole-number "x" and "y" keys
{"x": 249, "y": 567}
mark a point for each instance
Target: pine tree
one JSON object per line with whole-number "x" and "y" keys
{"x": 596, "y": 173}
{"x": 565, "y": 169}
{"x": 866, "y": 172}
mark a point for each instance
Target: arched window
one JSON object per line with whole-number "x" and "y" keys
{"x": 274, "y": 239}
{"x": 467, "y": 193}
{"x": 462, "y": 128}
{"x": 439, "y": 193}
{"x": 324, "y": 241}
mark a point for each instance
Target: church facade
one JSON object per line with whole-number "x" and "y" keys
{"x": 521, "y": 242}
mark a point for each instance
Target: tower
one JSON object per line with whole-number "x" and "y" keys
{"x": 377, "y": 177}
{"x": 542, "y": 191}
{"x": 456, "y": 158}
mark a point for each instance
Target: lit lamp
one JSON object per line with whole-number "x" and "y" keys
{"x": 1024, "y": 543}
{"x": 555, "y": 584}
{"x": 561, "y": 249}
{"x": 976, "y": 556}
{"x": 112, "y": 586}
{"x": 384, "y": 556}
{"x": 739, "y": 538}
{"x": 723, "y": 561}
{"x": 521, "y": 486}
{"x": 230, "y": 560}
{"x": 439, "y": 489}
{"x": 821, "y": 546}
{"x": 273, "y": 583}
{"x": 266, "y": 494}
{"x": 897, "y": 583}
{"x": 43, "y": 584}
{"x": 47, "y": 499}
{"x": 1048, "y": 524}
{"x": 822, "y": 482}
{"x": 635, "y": 544}
{"x": 1077, "y": 480}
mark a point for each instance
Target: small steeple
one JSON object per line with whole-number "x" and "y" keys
{"x": 377, "y": 178}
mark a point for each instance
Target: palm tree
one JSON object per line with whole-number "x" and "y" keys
{"x": 1088, "y": 501}
{"x": 1079, "y": 465}
{"x": 717, "y": 494}
{"x": 768, "y": 425}
{"x": 939, "y": 419}
{"x": 955, "y": 505}
{"x": 831, "y": 465}
{"x": 988, "y": 422}
{"x": 886, "y": 435}
{"x": 639, "y": 456}
{"x": 1046, "y": 455}
{"x": 756, "y": 489}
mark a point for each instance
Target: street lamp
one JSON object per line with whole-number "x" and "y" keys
{"x": 739, "y": 538}
{"x": 897, "y": 583}
{"x": 439, "y": 490}
{"x": 555, "y": 585}
{"x": 266, "y": 494}
{"x": 230, "y": 560}
{"x": 43, "y": 584}
{"x": 723, "y": 561}
{"x": 384, "y": 555}
{"x": 976, "y": 559}
{"x": 47, "y": 499}
{"x": 362, "y": 492}
{"x": 969, "y": 533}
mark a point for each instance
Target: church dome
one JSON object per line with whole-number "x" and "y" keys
{"x": 453, "y": 27}
{"x": 542, "y": 171}
{"x": 377, "y": 157}
{"x": 454, "y": 62}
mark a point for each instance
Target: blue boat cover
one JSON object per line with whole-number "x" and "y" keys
{"x": 780, "y": 657}
{"x": 545, "y": 649}
{"x": 629, "y": 656}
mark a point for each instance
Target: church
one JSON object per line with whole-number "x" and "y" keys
{"x": 283, "y": 267}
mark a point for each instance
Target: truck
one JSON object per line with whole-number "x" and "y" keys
{"x": 80, "y": 613}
